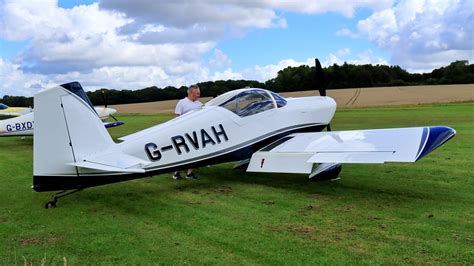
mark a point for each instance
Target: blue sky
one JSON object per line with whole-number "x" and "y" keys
{"x": 134, "y": 44}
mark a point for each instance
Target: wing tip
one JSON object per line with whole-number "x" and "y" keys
{"x": 437, "y": 136}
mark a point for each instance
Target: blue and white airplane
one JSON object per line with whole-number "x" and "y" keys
{"x": 23, "y": 125}
{"x": 259, "y": 129}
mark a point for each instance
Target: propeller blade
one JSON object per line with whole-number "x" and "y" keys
{"x": 104, "y": 97}
{"x": 319, "y": 78}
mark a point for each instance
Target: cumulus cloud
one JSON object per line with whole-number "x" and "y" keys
{"x": 347, "y": 8}
{"x": 220, "y": 59}
{"x": 270, "y": 71}
{"x": 209, "y": 19}
{"x": 84, "y": 38}
{"x": 13, "y": 81}
{"x": 345, "y": 32}
{"x": 366, "y": 57}
{"x": 343, "y": 52}
{"x": 226, "y": 75}
{"x": 425, "y": 34}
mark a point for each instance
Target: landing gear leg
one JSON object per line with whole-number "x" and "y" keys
{"x": 54, "y": 199}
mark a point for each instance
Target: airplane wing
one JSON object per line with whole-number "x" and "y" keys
{"x": 298, "y": 152}
{"x": 10, "y": 114}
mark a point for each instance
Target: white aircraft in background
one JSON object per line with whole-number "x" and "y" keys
{"x": 5, "y": 110}
{"x": 259, "y": 128}
{"x": 23, "y": 125}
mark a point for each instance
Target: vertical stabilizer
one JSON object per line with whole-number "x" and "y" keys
{"x": 67, "y": 129}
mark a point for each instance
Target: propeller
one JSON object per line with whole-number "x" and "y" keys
{"x": 319, "y": 77}
{"x": 104, "y": 97}
{"x": 320, "y": 81}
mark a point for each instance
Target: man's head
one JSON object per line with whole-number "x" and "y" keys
{"x": 193, "y": 92}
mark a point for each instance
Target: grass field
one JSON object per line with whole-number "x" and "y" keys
{"x": 418, "y": 213}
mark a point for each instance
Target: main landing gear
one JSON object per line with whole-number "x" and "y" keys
{"x": 54, "y": 199}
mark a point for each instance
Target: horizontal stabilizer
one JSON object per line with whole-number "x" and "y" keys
{"x": 108, "y": 168}
{"x": 113, "y": 162}
{"x": 113, "y": 124}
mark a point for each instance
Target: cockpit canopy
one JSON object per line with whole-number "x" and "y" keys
{"x": 3, "y": 106}
{"x": 246, "y": 102}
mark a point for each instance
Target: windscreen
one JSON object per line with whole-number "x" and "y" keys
{"x": 249, "y": 103}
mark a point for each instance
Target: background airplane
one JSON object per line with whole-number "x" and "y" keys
{"x": 23, "y": 125}
{"x": 259, "y": 128}
{"x": 5, "y": 110}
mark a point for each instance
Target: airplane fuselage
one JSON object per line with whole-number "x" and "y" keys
{"x": 214, "y": 132}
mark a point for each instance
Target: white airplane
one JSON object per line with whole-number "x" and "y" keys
{"x": 259, "y": 128}
{"x": 23, "y": 125}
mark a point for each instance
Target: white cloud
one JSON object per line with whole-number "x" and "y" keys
{"x": 366, "y": 57}
{"x": 347, "y": 8}
{"x": 345, "y": 32}
{"x": 220, "y": 59}
{"x": 84, "y": 38}
{"x": 266, "y": 72}
{"x": 343, "y": 52}
{"x": 226, "y": 75}
{"x": 270, "y": 71}
{"x": 209, "y": 19}
{"x": 423, "y": 34}
{"x": 13, "y": 81}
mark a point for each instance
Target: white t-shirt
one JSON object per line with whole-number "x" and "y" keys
{"x": 186, "y": 105}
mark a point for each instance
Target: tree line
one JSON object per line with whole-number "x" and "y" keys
{"x": 289, "y": 79}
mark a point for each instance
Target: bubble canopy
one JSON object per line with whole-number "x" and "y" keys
{"x": 249, "y": 101}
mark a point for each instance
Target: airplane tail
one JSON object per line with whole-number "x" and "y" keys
{"x": 67, "y": 129}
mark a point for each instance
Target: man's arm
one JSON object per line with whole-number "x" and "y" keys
{"x": 179, "y": 109}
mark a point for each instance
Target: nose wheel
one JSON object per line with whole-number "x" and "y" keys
{"x": 54, "y": 199}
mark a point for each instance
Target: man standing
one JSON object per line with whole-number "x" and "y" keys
{"x": 186, "y": 105}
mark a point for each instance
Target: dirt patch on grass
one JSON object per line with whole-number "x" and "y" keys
{"x": 268, "y": 202}
{"x": 28, "y": 241}
{"x": 356, "y": 97}
{"x": 308, "y": 209}
{"x": 223, "y": 189}
{"x": 304, "y": 231}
